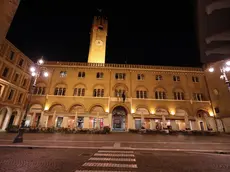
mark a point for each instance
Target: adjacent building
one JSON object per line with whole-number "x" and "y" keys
{"x": 214, "y": 29}
{"x": 14, "y": 83}
{"x": 8, "y": 9}
{"x": 214, "y": 43}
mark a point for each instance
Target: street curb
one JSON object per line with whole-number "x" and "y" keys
{"x": 116, "y": 148}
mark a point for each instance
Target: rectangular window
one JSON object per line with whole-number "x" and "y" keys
{"x": 5, "y": 72}
{"x": 11, "y": 55}
{"x": 16, "y": 76}
{"x": 24, "y": 82}
{"x": 11, "y": 94}
{"x": 63, "y": 74}
{"x": 198, "y": 97}
{"x": 81, "y": 74}
{"x": 20, "y": 63}
{"x": 159, "y": 77}
{"x": 176, "y": 78}
{"x": 195, "y": 79}
{"x": 20, "y": 97}
{"x": 140, "y": 77}
{"x": 120, "y": 76}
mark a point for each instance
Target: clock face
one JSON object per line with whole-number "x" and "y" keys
{"x": 99, "y": 42}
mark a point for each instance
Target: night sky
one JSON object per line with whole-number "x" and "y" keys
{"x": 160, "y": 33}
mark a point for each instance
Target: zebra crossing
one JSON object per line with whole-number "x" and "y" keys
{"x": 111, "y": 161}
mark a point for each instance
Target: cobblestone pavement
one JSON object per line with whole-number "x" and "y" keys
{"x": 79, "y": 160}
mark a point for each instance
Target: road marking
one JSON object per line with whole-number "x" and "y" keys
{"x": 111, "y": 165}
{"x": 113, "y": 159}
{"x": 114, "y": 155}
{"x": 105, "y": 151}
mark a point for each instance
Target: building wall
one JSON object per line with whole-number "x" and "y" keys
{"x": 213, "y": 29}
{"x": 219, "y": 93}
{"x": 7, "y": 11}
{"x": 146, "y": 109}
{"x": 17, "y": 78}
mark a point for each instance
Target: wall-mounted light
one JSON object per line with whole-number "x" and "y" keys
{"x": 153, "y": 111}
{"x": 211, "y": 113}
{"x": 46, "y": 107}
{"x": 172, "y": 112}
{"x": 132, "y": 111}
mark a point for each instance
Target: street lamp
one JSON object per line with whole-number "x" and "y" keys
{"x": 223, "y": 76}
{"x": 223, "y": 69}
{"x": 35, "y": 72}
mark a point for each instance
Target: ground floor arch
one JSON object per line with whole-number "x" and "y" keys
{"x": 119, "y": 118}
{"x": 204, "y": 121}
{"x": 9, "y": 117}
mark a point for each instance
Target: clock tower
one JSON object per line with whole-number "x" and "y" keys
{"x": 98, "y": 37}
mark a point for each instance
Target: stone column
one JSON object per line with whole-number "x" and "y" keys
{"x": 54, "y": 119}
{"x": 209, "y": 127}
{"x": 142, "y": 120}
{"x": 134, "y": 126}
{"x": 76, "y": 120}
{"x": 17, "y": 118}
{"x": 110, "y": 120}
{"x": 164, "y": 122}
{"x": 32, "y": 119}
{"x": 45, "y": 120}
{"x": 65, "y": 122}
{"x": 86, "y": 122}
{"x": 41, "y": 122}
{"x": 151, "y": 124}
{"x": 130, "y": 121}
{"x": 187, "y": 126}
{"x": 6, "y": 121}
{"x": 98, "y": 121}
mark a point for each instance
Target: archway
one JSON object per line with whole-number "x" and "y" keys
{"x": 204, "y": 121}
{"x": 12, "y": 117}
{"x": 119, "y": 119}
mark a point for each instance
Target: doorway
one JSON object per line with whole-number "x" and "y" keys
{"x": 202, "y": 126}
{"x": 119, "y": 118}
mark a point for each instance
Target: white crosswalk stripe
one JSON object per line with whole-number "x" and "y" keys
{"x": 113, "y": 159}
{"x": 109, "y": 160}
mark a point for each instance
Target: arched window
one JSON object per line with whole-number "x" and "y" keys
{"x": 98, "y": 91}
{"x": 119, "y": 89}
{"x": 40, "y": 89}
{"x": 141, "y": 93}
{"x": 60, "y": 90}
{"x": 178, "y": 95}
{"x": 79, "y": 92}
{"x": 160, "y": 93}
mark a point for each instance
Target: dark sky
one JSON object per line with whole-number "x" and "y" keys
{"x": 160, "y": 33}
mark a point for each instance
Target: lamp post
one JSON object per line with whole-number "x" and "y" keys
{"x": 224, "y": 69}
{"x": 36, "y": 72}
